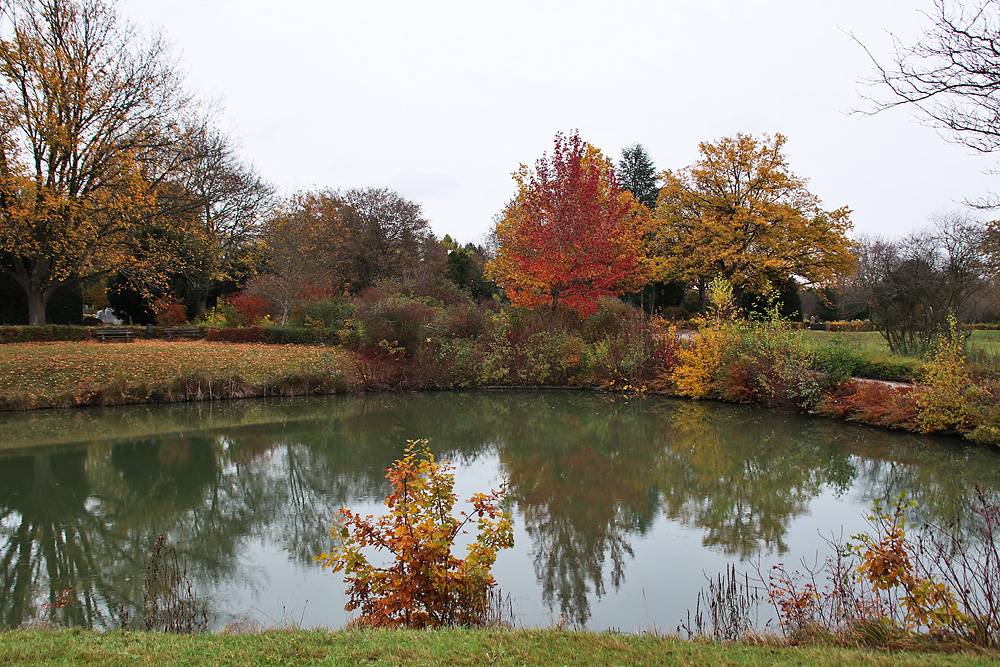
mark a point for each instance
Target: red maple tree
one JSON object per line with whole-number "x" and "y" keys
{"x": 572, "y": 235}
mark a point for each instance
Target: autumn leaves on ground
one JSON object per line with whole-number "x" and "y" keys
{"x": 68, "y": 374}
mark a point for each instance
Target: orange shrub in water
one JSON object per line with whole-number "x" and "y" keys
{"x": 424, "y": 585}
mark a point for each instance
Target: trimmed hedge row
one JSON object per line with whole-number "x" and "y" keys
{"x": 274, "y": 335}
{"x": 49, "y": 332}
{"x": 856, "y": 325}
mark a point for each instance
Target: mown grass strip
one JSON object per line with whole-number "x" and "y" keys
{"x": 442, "y": 648}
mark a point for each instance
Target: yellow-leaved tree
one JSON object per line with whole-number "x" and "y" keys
{"x": 741, "y": 214}
{"x": 88, "y": 115}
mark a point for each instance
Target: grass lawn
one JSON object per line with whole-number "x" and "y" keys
{"x": 987, "y": 342}
{"x": 64, "y": 374}
{"x": 442, "y": 648}
{"x": 982, "y": 354}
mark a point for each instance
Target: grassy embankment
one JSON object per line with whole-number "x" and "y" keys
{"x": 739, "y": 361}
{"x": 68, "y": 374}
{"x": 441, "y": 648}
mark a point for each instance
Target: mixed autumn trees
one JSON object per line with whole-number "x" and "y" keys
{"x": 104, "y": 166}
{"x": 329, "y": 242}
{"x": 571, "y": 235}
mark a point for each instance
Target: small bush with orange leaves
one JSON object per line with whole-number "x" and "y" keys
{"x": 424, "y": 584}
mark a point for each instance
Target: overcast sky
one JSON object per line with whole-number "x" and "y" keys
{"x": 441, "y": 101}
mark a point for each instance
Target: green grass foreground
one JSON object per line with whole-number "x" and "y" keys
{"x": 441, "y": 648}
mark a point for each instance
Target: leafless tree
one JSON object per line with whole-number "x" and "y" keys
{"x": 912, "y": 285}
{"x": 951, "y": 74}
{"x": 225, "y": 195}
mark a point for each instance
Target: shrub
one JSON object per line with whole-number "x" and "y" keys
{"x": 393, "y": 318}
{"x": 675, "y": 314}
{"x": 940, "y": 397}
{"x": 608, "y": 319}
{"x": 855, "y": 325}
{"x": 238, "y": 335}
{"x": 223, "y": 314}
{"x": 250, "y": 308}
{"x": 169, "y": 312}
{"x": 872, "y": 403}
{"x": 329, "y": 313}
{"x": 274, "y": 335}
{"x": 758, "y": 361}
{"x": 885, "y": 585}
{"x": 497, "y": 352}
{"x": 984, "y": 410}
{"x": 462, "y": 320}
{"x": 447, "y": 362}
{"x": 837, "y": 362}
{"x": 169, "y": 603}
{"x": 48, "y": 332}
{"x": 425, "y": 585}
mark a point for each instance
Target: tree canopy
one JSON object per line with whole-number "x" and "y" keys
{"x": 571, "y": 235}
{"x": 739, "y": 212}
{"x": 87, "y": 109}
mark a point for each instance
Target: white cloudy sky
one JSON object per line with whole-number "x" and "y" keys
{"x": 442, "y": 100}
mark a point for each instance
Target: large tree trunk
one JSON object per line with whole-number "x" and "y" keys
{"x": 37, "y": 301}
{"x": 30, "y": 278}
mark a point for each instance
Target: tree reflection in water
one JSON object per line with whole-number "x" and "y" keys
{"x": 588, "y": 474}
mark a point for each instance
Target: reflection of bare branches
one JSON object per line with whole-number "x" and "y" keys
{"x": 570, "y": 557}
{"x": 53, "y": 544}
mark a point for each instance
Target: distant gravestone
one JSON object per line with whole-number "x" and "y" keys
{"x": 107, "y": 316}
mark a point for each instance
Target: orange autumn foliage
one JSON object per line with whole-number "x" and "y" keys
{"x": 571, "y": 235}
{"x": 424, "y": 585}
{"x": 740, "y": 213}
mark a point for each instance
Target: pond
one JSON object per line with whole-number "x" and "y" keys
{"x": 622, "y": 506}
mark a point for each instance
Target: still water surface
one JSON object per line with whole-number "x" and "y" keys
{"x": 621, "y": 506}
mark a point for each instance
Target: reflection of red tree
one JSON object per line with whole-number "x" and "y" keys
{"x": 175, "y": 454}
{"x": 247, "y": 449}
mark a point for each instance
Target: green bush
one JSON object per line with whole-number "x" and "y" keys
{"x": 329, "y": 313}
{"x": 837, "y": 362}
{"x": 840, "y": 362}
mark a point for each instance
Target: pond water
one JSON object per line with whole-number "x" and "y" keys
{"x": 622, "y": 506}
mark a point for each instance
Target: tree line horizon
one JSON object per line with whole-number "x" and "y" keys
{"x": 114, "y": 182}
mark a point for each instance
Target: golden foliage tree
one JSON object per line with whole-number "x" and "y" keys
{"x": 571, "y": 235}
{"x": 425, "y": 584}
{"x": 86, "y": 111}
{"x": 740, "y": 213}
{"x": 302, "y": 243}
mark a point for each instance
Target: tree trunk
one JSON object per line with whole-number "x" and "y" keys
{"x": 38, "y": 299}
